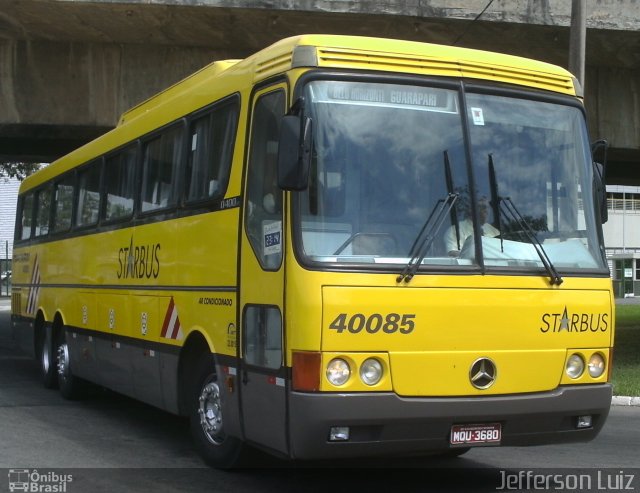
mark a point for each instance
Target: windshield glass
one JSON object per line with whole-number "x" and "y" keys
{"x": 379, "y": 192}
{"x": 538, "y": 152}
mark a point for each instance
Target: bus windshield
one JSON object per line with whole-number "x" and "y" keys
{"x": 391, "y": 179}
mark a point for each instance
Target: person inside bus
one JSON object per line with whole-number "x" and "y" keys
{"x": 465, "y": 229}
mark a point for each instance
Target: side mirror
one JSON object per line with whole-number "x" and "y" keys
{"x": 599, "y": 178}
{"x": 294, "y": 153}
{"x": 600, "y": 190}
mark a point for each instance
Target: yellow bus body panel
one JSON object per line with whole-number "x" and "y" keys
{"x": 526, "y": 328}
{"x": 109, "y": 290}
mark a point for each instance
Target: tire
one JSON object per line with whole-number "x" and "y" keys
{"x": 47, "y": 357}
{"x": 206, "y": 420}
{"x": 71, "y": 387}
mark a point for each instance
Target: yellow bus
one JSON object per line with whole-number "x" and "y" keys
{"x": 339, "y": 246}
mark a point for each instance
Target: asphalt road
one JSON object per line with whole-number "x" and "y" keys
{"x": 111, "y": 443}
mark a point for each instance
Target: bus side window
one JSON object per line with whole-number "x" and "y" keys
{"x": 89, "y": 194}
{"x": 43, "y": 214}
{"x": 120, "y": 184}
{"x": 63, "y": 208}
{"x": 210, "y": 151}
{"x": 161, "y": 156}
{"x": 26, "y": 216}
{"x": 264, "y": 208}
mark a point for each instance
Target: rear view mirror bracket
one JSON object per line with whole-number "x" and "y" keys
{"x": 294, "y": 150}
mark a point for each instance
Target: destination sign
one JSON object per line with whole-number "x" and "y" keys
{"x": 393, "y": 95}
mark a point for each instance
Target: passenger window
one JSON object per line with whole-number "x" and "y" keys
{"x": 120, "y": 182}
{"x": 264, "y": 207}
{"x": 263, "y": 337}
{"x": 89, "y": 195}
{"x": 43, "y": 214}
{"x": 160, "y": 158}
{"x": 26, "y": 221}
{"x": 211, "y": 143}
{"x": 63, "y": 209}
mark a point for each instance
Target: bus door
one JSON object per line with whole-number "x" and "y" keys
{"x": 261, "y": 366}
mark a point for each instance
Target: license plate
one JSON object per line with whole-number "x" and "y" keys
{"x": 476, "y": 434}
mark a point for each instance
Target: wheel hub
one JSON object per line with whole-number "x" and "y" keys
{"x": 210, "y": 411}
{"x": 63, "y": 360}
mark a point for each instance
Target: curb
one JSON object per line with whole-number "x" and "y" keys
{"x": 625, "y": 401}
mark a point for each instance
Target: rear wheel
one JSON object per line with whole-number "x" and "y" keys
{"x": 207, "y": 421}
{"x": 47, "y": 356}
{"x": 71, "y": 386}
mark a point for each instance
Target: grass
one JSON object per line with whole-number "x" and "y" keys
{"x": 626, "y": 353}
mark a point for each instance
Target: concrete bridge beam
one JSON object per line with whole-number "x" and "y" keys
{"x": 68, "y": 68}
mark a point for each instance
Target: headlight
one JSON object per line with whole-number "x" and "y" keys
{"x": 575, "y": 366}
{"x": 596, "y": 365}
{"x": 371, "y": 371}
{"x": 338, "y": 371}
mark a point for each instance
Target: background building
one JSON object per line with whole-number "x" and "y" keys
{"x": 622, "y": 238}
{"x": 8, "y": 197}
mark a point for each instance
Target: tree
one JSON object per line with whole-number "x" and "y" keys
{"x": 18, "y": 170}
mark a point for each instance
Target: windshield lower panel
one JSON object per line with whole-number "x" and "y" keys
{"x": 391, "y": 180}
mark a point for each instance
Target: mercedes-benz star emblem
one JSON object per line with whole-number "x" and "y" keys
{"x": 483, "y": 373}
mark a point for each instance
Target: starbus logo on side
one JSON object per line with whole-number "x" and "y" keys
{"x": 574, "y": 322}
{"x": 138, "y": 261}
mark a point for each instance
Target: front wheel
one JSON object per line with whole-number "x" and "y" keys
{"x": 207, "y": 421}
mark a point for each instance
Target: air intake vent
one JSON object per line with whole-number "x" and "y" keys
{"x": 424, "y": 65}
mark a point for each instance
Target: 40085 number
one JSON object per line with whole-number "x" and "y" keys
{"x": 376, "y": 322}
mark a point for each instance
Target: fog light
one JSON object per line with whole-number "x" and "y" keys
{"x": 371, "y": 371}
{"x": 584, "y": 421}
{"x": 338, "y": 371}
{"x": 339, "y": 434}
{"x": 575, "y": 366}
{"x": 596, "y": 365}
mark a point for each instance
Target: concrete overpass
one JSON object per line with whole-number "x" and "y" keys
{"x": 68, "y": 68}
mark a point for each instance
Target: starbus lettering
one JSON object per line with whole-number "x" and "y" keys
{"x": 574, "y": 322}
{"x": 139, "y": 261}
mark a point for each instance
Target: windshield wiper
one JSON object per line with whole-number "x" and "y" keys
{"x": 506, "y": 206}
{"x": 431, "y": 226}
{"x": 453, "y": 211}
{"x": 426, "y": 236}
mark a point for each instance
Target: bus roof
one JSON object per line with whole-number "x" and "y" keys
{"x": 205, "y": 74}
{"x": 314, "y": 51}
{"x": 391, "y": 55}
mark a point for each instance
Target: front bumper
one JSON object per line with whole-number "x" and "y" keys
{"x": 387, "y": 424}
